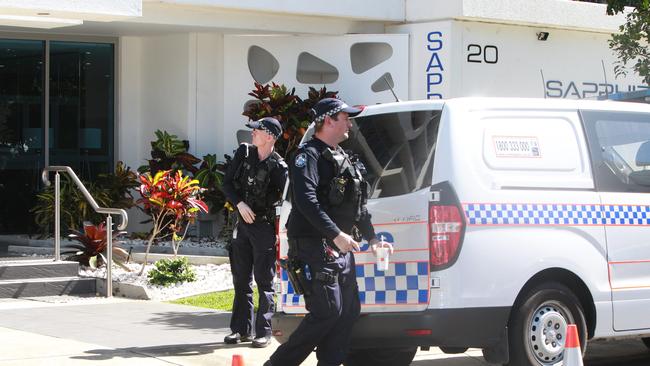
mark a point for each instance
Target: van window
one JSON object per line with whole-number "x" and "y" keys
{"x": 620, "y": 150}
{"x": 397, "y": 150}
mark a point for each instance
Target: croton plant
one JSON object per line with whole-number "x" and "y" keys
{"x": 172, "y": 200}
{"x": 278, "y": 101}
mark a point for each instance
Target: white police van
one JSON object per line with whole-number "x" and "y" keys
{"x": 510, "y": 219}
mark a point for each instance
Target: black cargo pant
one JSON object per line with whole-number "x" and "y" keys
{"x": 333, "y": 308}
{"x": 253, "y": 251}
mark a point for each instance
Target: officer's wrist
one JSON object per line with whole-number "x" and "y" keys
{"x": 337, "y": 235}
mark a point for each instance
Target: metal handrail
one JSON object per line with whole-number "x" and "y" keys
{"x": 95, "y": 206}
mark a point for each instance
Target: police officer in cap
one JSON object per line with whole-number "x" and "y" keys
{"x": 253, "y": 183}
{"x": 328, "y": 205}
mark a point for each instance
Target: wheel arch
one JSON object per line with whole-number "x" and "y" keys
{"x": 570, "y": 280}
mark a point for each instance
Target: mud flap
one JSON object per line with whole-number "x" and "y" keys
{"x": 498, "y": 354}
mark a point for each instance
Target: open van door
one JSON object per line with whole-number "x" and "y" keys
{"x": 396, "y": 142}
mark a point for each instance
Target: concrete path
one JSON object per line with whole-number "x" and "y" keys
{"x": 73, "y": 331}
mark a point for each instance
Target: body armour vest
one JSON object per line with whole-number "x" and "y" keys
{"x": 252, "y": 180}
{"x": 346, "y": 193}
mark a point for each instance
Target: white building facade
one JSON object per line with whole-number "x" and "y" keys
{"x": 102, "y": 75}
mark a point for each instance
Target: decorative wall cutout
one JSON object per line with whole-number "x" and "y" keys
{"x": 364, "y": 56}
{"x": 380, "y": 84}
{"x": 262, "y": 65}
{"x": 313, "y": 70}
{"x": 247, "y": 104}
{"x": 244, "y": 136}
{"x": 353, "y": 88}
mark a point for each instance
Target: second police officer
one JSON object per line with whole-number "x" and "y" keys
{"x": 328, "y": 205}
{"x": 253, "y": 183}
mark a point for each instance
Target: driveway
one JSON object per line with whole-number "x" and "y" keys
{"x": 128, "y": 332}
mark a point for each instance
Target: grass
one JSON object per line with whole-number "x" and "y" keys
{"x": 221, "y": 300}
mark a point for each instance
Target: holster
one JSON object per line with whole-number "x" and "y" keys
{"x": 296, "y": 271}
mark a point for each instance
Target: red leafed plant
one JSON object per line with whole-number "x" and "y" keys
{"x": 172, "y": 200}
{"x": 276, "y": 100}
{"x": 91, "y": 244}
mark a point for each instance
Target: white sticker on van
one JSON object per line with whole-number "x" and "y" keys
{"x": 516, "y": 147}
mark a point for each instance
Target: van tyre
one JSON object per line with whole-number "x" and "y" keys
{"x": 538, "y": 324}
{"x": 381, "y": 356}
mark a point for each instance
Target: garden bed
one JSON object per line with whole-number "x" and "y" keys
{"x": 209, "y": 278}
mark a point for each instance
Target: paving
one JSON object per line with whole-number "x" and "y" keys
{"x": 67, "y": 330}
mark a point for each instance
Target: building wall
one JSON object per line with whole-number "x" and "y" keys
{"x": 548, "y": 13}
{"x": 129, "y": 97}
{"x": 390, "y": 56}
{"x": 208, "y": 124}
{"x": 172, "y": 83}
{"x": 461, "y": 58}
{"x": 390, "y": 10}
{"x": 195, "y": 85}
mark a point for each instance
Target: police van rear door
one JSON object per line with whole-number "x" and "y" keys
{"x": 396, "y": 143}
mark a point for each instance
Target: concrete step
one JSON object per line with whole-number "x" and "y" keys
{"x": 47, "y": 287}
{"x": 39, "y": 268}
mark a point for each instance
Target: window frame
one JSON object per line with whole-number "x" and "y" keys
{"x": 434, "y": 116}
{"x": 605, "y": 180}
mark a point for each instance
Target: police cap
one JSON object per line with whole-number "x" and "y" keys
{"x": 331, "y": 106}
{"x": 269, "y": 124}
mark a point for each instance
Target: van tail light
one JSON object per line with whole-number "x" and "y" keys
{"x": 278, "y": 268}
{"x": 418, "y": 332}
{"x": 277, "y": 235}
{"x": 446, "y": 226}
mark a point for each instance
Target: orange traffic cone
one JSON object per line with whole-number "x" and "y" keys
{"x": 572, "y": 351}
{"x": 237, "y": 360}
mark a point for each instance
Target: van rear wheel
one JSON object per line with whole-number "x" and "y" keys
{"x": 381, "y": 356}
{"x": 538, "y": 325}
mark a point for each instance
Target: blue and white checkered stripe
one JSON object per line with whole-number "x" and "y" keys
{"x": 401, "y": 284}
{"x": 555, "y": 214}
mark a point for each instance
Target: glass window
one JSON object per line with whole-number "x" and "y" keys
{"x": 397, "y": 150}
{"x": 619, "y": 144}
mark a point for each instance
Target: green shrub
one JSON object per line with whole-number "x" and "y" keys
{"x": 170, "y": 271}
{"x": 108, "y": 190}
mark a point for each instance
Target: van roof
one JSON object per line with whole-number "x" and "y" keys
{"x": 470, "y": 103}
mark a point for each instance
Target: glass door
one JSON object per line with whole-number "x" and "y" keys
{"x": 80, "y": 90}
{"x": 21, "y": 131}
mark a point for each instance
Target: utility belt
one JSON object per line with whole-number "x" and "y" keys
{"x": 267, "y": 218}
{"x": 300, "y": 274}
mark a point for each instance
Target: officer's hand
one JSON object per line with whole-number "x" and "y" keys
{"x": 246, "y": 213}
{"x": 345, "y": 243}
{"x": 374, "y": 244}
